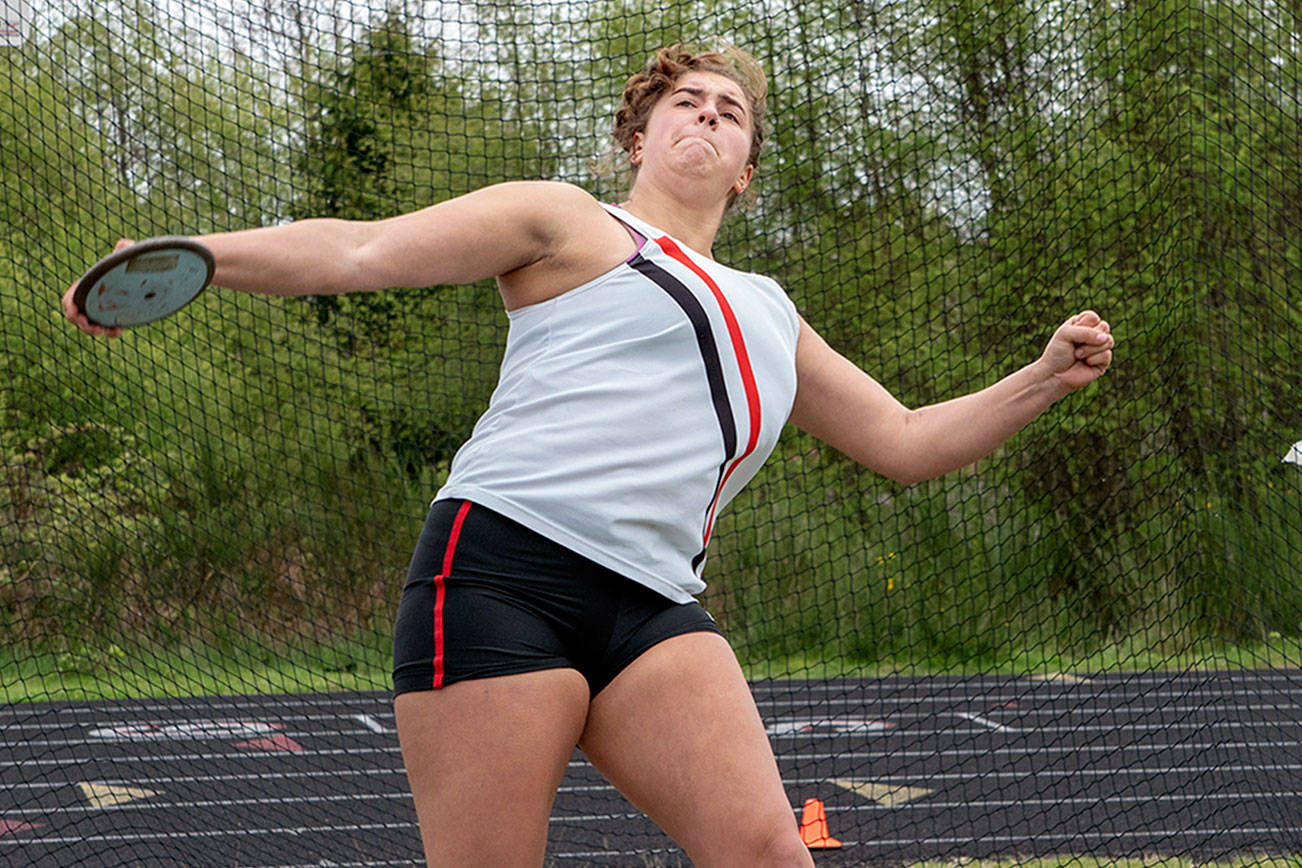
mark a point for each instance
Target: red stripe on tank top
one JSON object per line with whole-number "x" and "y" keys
{"x": 743, "y": 364}
{"x": 439, "y": 592}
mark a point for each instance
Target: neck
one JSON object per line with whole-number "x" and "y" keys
{"x": 693, "y": 223}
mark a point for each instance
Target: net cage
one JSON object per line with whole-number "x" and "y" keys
{"x": 1083, "y": 649}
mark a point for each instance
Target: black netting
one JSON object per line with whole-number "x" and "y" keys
{"x": 1085, "y": 647}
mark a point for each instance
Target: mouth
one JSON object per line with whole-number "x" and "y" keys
{"x": 693, "y": 136}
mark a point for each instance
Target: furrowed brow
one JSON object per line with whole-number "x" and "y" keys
{"x": 730, "y": 101}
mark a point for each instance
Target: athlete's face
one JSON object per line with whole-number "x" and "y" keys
{"x": 702, "y": 129}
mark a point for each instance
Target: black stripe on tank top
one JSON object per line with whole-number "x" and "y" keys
{"x": 705, "y": 342}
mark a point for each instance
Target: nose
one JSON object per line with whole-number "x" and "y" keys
{"x": 709, "y": 116}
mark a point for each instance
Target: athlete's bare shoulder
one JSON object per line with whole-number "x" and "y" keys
{"x": 544, "y": 195}
{"x": 553, "y": 210}
{"x": 582, "y": 241}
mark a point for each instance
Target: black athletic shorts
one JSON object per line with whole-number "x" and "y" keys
{"x": 486, "y": 596}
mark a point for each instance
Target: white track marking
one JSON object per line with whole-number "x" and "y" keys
{"x": 403, "y": 796}
{"x": 1009, "y": 689}
{"x": 887, "y": 752}
{"x": 1141, "y": 771}
{"x": 1112, "y": 835}
{"x": 139, "y": 806}
{"x": 252, "y": 704}
{"x": 225, "y": 756}
{"x": 1077, "y": 836}
{"x": 262, "y": 777}
{"x": 987, "y": 722}
{"x": 1085, "y": 801}
{"x": 204, "y": 779}
{"x": 777, "y": 726}
{"x": 1038, "y": 750}
{"x": 371, "y": 723}
{"x": 80, "y": 725}
{"x": 124, "y": 837}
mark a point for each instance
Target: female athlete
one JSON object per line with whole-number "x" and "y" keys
{"x": 549, "y": 600}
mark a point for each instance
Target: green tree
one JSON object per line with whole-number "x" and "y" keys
{"x": 390, "y": 131}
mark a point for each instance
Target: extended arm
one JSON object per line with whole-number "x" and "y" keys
{"x": 844, "y": 407}
{"x": 488, "y": 233}
{"x": 472, "y": 237}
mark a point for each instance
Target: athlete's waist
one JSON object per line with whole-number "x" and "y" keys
{"x": 633, "y": 543}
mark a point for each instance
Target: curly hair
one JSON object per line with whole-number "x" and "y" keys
{"x": 644, "y": 89}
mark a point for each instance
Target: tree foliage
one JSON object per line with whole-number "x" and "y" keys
{"x": 944, "y": 182}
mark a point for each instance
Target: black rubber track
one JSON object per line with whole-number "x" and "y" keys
{"x": 1203, "y": 764}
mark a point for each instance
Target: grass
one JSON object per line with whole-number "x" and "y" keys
{"x": 242, "y": 665}
{"x": 236, "y": 667}
{"x": 1279, "y": 652}
{"x": 265, "y": 475}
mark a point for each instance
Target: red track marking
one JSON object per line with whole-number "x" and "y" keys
{"x": 12, "y": 827}
{"x": 282, "y": 743}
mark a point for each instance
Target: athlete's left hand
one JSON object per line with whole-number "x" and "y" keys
{"x": 1079, "y": 351}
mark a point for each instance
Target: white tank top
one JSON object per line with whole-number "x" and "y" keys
{"x": 631, "y": 409}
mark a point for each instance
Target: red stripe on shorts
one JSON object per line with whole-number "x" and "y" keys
{"x": 439, "y": 592}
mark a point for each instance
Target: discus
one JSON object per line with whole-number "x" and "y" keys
{"x": 147, "y": 281}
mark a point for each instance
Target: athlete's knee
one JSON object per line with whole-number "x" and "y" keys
{"x": 783, "y": 848}
{"x": 772, "y": 845}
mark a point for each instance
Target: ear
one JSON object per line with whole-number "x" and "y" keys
{"x": 635, "y": 151}
{"x": 743, "y": 180}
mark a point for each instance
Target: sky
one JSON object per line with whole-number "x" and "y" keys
{"x": 14, "y": 18}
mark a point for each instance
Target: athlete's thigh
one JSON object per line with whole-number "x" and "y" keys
{"x": 490, "y": 748}
{"x": 679, "y": 734}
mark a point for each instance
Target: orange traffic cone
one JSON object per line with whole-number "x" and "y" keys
{"x": 813, "y": 827}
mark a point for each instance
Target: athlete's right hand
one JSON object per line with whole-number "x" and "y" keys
{"x": 77, "y": 318}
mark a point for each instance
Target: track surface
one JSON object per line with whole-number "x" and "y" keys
{"x": 1205, "y": 765}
